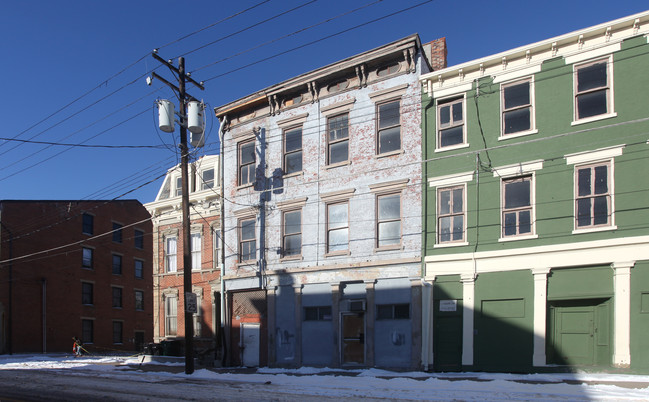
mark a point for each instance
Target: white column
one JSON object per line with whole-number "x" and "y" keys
{"x": 427, "y": 322}
{"x": 622, "y": 324}
{"x": 468, "y": 297}
{"x": 540, "y": 314}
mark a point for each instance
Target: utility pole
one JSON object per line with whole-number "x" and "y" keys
{"x": 190, "y": 299}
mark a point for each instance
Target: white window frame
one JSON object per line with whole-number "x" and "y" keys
{"x": 196, "y": 253}
{"x": 608, "y": 195}
{"x": 242, "y": 240}
{"x": 446, "y": 182}
{"x": 285, "y": 234}
{"x": 378, "y": 221}
{"x": 208, "y": 184}
{"x": 197, "y": 317}
{"x": 337, "y": 141}
{"x": 329, "y": 229}
{"x": 531, "y": 106}
{"x": 439, "y": 216}
{"x": 610, "y": 104}
{"x": 380, "y": 130}
{"x": 171, "y": 315}
{"x": 286, "y": 153}
{"x": 240, "y": 165}
{"x": 171, "y": 258}
{"x": 438, "y": 129}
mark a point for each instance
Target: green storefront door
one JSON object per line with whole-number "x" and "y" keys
{"x": 447, "y": 335}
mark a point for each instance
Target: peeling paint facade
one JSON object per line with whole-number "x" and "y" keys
{"x": 322, "y": 184}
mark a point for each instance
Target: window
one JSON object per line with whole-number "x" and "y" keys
{"x": 337, "y": 139}
{"x": 450, "y": 214}
{"x": 87, "y": 331}
{"x": 165, "y": 192}
{"x": 293, "y": 150}
{"x": 393, "y": 311}
{"x": 87, "y": 293}
{"x": 320, "y": 313}
{"x": 593, "y": 197}
{"x": 87, "y": 259}
{"x": 138, "y": 239}
{"x": 292, "y": 233}
{"x": 450, "y": 117}
{"x": 88, "y": 225}
{"x": 196, "y": 251}
{"x": 337, "y": 227}
{"x": 338, "y": 86}
{"x": 117, "y": 232}
{"x": 388, "y": 220}
{"x": 208, "y": 179}
{"x": 117, "y": 264}
{"x": 389, "y": 127}
{"x": 247, "y": 163}
{"x": 171, "y": 308}
{"x": 179, "y": 186}
{"x": 388, "y": 70}
{"x": 170, "y": 254}
{"x": 117, "y": 331}
{"x": 516, "y": 107}
{"x": 592, "y": 89}
{"x": 198, "y": 318}
{"x": 139, "y": 300}
{"x": 117, "y": 297}
{"x": 139, "y": 269}
{"x": 216, "y": 243}
{"x": 517, "y": 206}
{"x": 247, "y": 244}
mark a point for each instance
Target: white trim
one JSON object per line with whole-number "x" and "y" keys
{"x": 593, "y": 53}
{"x": 531, "y": 85}
{"x": 610, "y": 98}
{"x": 292, "y": 121}
{"x": 518, "y": 169}
{"x": 519, "y": 134}
{"x": 598, "y": 155}
{"x": 390, "y": 93}
{"x": 514, "y": 238}
{"x": 593, "y": 118}
{"x": 454, "y": 90}
{"x": 338, "y": 107}
{"x": 517, "y": 74}
{"x": 449, "y": 244}
{"x": 597, "y": 228}
{"x": 451, "y": 179}
{"x": 452, "y": 147}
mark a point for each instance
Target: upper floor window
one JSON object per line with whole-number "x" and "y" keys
{"x": 317, "y": 313}
{"x": 179, "y": 186}
{"x": 593, "y": 89}
{"x": 139, "y": 269}
{"x": 139, "y": 300}
{"x": 292, "y": 233}
{"x": 247, "y": 243}
{"x": 198, "y": 318}
{"x": 117, "y": 232}
{"x": 87, "y": 293}
{"x": 138, "y": 239}
{"x": 389, "y": 127}
{"x": 207, "y": 178}
{"x": 87, "y": 258}
{"x": 165, "y": 192}
{"x": 170, "y": 253}
{"x": 117, "y": 297}
{"x": 88, "y": 225}
{"x": 593, "y": 198}
{"x": 338, "y": 86}
{"x": 337, "y": 227}
{"x": 171, "y": 313}
{"x": 450, "y": 214}
{"x": 117, "y": 332}
{"x": 388, "y": 70}
{"x": 517, "y": 206}
{"x": 517, "y": 107}
{"x": 196, "y": 250}
{"x": 87, "y": 331}
{"x": 293, "y": 150}
{"x": 450, "y": 126}
{"x": 117, "y": 264}
{"x": 246, "y": 162}
{"x": 393, "y": 311}
{"x": 388, "y": 220}
{"x": 337, "y": 139}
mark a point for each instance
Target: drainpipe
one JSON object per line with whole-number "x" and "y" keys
{"x": 426, "y": 301}
{"x": 222, "y": 163}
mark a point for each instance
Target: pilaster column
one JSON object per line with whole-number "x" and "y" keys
{"x": 622, "y": 314}
{"x": 468, "y": 296}
{"x": 271, "y": 293}
{"x": 369, "y": 322}
{"x": 335, "y": 323}
{"x": 415, "y": 320}
{"x": 540, "y": 314}
{"x": 427, "y": 322}
{"x": 297, "y": 288}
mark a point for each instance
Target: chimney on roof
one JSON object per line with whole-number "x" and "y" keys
{"x": 436, "y": 53}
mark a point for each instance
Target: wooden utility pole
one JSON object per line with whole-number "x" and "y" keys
{"x": 189, "y": 299}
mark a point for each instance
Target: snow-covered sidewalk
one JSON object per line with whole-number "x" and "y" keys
{"x": 361, "y": 383}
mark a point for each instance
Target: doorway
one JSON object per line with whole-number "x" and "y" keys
{"x": 139, "y": 341}
{"x": 353, "y": 338}
{"x": 250, "y": 345}
{"x": 447, "y": 335}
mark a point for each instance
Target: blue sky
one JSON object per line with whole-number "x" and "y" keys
{"x": 73, "y": 71}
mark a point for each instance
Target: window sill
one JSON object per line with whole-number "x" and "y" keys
{"x": 593, "y": 118}
{"x": 515, "y": 238}
{"x": 504, "y": 137}
{"x": 294, "y": 174}
{"x": 339, "y": 164}
{"x": 291, "y": 258}
{"x": 594, "y": 229}
{"x": 338, "y": 253}
{"x": 452, "y": 147}
{"x": 247, "y": 264}
{"x": 245, "y": 186}
{"x": 388, "y": 248}
{"x": 386, "y": 154}
{"x": 445, "y": 245}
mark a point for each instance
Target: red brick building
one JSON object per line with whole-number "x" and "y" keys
{"x": 75, "y": 268}
{"x": 168, "y": 267}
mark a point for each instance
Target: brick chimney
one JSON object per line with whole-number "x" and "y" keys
{"x": 436, "y": 53}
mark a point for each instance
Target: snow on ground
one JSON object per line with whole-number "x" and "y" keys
{"x": 368, "y": 382}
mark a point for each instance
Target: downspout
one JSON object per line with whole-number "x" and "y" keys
{"x": 426, "y": 292}
{"x": 222, "y": 274}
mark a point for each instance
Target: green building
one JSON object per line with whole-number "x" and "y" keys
{"x": 536, "y": 206}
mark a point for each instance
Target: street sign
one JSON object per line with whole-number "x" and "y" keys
{"x": 190, "y": 303}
